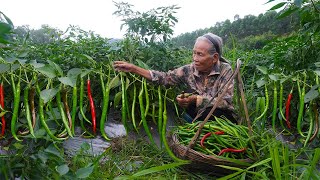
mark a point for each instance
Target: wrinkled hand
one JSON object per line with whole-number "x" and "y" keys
{"x": 185, "y": 101}
{"x": 123, "y": 66}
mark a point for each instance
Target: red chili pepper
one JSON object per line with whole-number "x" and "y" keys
{"x": 288, "y": 109}
{"x": 93, "y": 112}
{"x": 3, "y": 121}
{"x": 231, "y": 150}
{"x": 207, "y": 135}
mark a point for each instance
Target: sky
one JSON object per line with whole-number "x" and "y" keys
{"x": 96, "y": 15}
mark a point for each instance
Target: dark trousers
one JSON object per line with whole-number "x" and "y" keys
{"x": 191, "y": 110}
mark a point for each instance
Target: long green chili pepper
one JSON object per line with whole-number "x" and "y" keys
{"x": 66, "y": 107}
{"x": 301, "y": 104}
{"x": 310, "y": 125}
{"x": 42, "y": 118}
{"x": 316, "y": 120}
{"x": 133, "y": 107}
{"x": 16, "y": 105}
{"x": 147, "y": 98}
{"x": 32, "y": 106}
{"x": 27, "y": 111}
{"x": 142, "y": 112}
{"x": 123, "y": 108}
{"x": 164, "y": 130}
{"x": 280, "y": 106}
{"x": 267, "y": 104}
{"x": 74, "y": 107}
{"x": 105, "y": 105}
{"x": 63, "y": 114}
{"x": 275, "y": 103}
{"x": 258, "y": 107}
{"x": 160, "y": 112}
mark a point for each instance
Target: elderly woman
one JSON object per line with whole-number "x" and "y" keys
{"x": 208, "y": 72}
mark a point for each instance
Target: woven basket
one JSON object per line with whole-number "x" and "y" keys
{"x": 204, "y": 163}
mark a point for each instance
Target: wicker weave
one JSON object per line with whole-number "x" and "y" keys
{"x": 202, "y": 162}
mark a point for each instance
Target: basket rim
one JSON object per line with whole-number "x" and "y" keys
{"x": 196, "y": 156}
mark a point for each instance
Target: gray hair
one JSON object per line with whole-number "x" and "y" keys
{"x": 216, "y": 42}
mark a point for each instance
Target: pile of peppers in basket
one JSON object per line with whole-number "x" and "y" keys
{"x": 220, "y": 137}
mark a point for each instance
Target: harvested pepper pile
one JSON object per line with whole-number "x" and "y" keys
{"x": 220, "y": 137}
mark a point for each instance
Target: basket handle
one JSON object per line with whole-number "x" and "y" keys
{"x": 225, "y": 88}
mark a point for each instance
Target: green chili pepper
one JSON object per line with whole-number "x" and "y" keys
{"x": 142, "y": 112}
{"x": 164, "y": 129}
{"x": 16, "y": 105}
{"x": 105, "y": 105}
{"x": 63, "y": 114}
{"x": 160, "y": 112}
{"x": 301, "y": 104}
{"x": 27, "y": 109}
{"x": 123, "y": 99}
{"x": 74, "y": 106}
{"x": 133, "y": 112}
{"x": 275, "y": 103}
{"x": 42, "y": 118}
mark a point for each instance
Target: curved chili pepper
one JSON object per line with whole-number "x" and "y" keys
{"x": 92, "y": 108}
{"x": 27, "y": 112}
{"x": 105, "y": 106}
{"x": 16, "y": 103}
{"x": 66, "y": 107}
{"x": 316, "y": 118}
{"x": 3, "y": 121}
{"x": 231, "y": 150}
{"x": 288, "y": 109}
{"x": 63, "y": 114}
{"x": 207, "y": 135}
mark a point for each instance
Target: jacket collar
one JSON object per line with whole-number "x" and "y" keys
{"x": 214, "y": 71}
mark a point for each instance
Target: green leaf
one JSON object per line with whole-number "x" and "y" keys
{"x": 286, "y": 13}
{"x": 84, "y": 172}
{"x": 117, "y": 99}
{"x": 84, "y": 72}
{"x": 70, "y": 81}
{"x": 274, "y": 77}
{"x": 53, "y": 150}
{"x": 277, "y": 6}
{"x": 40, "y": 133}
{"x": 317, "y": 72}
{"x": 63, "y": 169}
{"x": 260, "y": 83}
{"x": 56, "y": 67}
{"x": 115, "y": 82}
{"x": 48, "y": 94}
{"x": 4, "y": 68}
{"x": 74, "y": 72}
{"x": 262, "y": 69}
{"x": 142, "y": 64}
{"x": 312, "y": 94}
{"x": 35, "y": 64}
{"x": 18, "y": 145}
{"x": 47, "y": 70}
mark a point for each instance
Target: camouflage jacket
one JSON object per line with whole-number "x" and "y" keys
{"x": 205, "y": 87}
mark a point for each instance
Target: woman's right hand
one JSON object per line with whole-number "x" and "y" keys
{"x": 123, "y": 66}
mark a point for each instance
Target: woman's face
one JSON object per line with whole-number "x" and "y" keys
{"x": 202, "y": 60}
